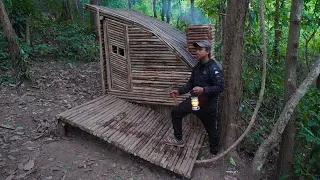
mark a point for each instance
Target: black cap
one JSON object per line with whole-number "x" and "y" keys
{"x": 202, "y": 43}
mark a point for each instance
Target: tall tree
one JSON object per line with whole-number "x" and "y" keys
{"x": 163, "y": 10}
{"x": 76, "y": 6}
{"x": 154, "y": 7}
{"x": 222, "y": 12}
{"x": 93, "y": 18}
{"x": 13, "y": 45}
{"x": 193, "y": 18}
{"x": 66, "y": 14}
{"x": 277, "y": 30}
{"x": 233, "y": 53}
{"x": 168, "y": 11}
{"x": 285, "y": 160}
{"x": 28, "y": 31}
{"x": 129, "y": 4}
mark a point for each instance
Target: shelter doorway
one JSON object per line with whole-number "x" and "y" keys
{"x": 117, "y": 56}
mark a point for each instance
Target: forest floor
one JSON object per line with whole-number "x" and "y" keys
{"x": 30, "y": 147}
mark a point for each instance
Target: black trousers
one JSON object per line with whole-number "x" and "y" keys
{"x": 205, "y": 114}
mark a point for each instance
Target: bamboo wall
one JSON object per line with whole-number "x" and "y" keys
{"x": 154, "y": 68}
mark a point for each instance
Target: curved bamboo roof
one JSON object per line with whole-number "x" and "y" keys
{"x": 175, "y": 39}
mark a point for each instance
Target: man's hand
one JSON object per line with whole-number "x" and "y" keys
{"x": 197, "y": 90}
{"x": 174, "y": 93}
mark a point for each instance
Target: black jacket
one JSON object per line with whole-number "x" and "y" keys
{"x": 209, "y": 76}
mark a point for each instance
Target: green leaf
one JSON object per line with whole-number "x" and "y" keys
{"x": 20, "y": 127}
{"x": 68, "y": 167}
{"x": 283, "y": 177}
{"x": 260, "y": 166}
{"x": 232, "y": 161}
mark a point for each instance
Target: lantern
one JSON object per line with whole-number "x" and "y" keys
{"x": 195, "y": 103}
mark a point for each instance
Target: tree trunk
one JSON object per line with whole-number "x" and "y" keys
{"x": 129, "y": 4}
{"x": 66, "y": 14}
{"x": 154, "y": 6}
{"x": 13, "y": 44}
{"x": 318, "y": 82}
{"x": 262, "y": 90}
{"x": 277, "y": 32}
{"x": 28, "y": 31}
{"x": 285, "y": 160}
{"x": 76, "y": 6}
{"x": 93, "y": 19}
{"x": 193, "y": 19}
{"x": 307, "y": 40}
{"x": 163, "y": 11}
{"x": 277, "y": 130}
{"x": 168, "y": 11}
{"x": 222, "y": 17}
{"x": 233, "y": 52}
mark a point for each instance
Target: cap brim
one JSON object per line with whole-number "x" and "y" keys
{"x": 196, "y": 44}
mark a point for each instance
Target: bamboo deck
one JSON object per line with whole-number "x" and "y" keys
{"x": 137, "y": 130}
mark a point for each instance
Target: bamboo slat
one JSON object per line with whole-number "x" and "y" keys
{"x": 159, "y": 123}
{"x": 171, "y": 156}
{"x": 117, "y": 123}
{"x": 116, "y": 136}
{"x": 81, "y": 117}
{"x": 107, "y": 123}
{"x": 103, "y": 119}
{"x": 110, "y": 110}
{"x": 135, "y": 132}
{"x": 143, "y": 132}
{"x": 81, "y": 113}
{"x": 123, "y": 137}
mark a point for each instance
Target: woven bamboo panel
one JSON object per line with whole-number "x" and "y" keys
{"x": 137, "y": 130}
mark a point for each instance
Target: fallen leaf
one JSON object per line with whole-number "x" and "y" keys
{"x": 14, "y": 151}
{"x": 12, "y": 157}
{"x": 7, "y": 126}
{"x": 55, "y": 169}
{"x": 31, "y": 148}
{"x": 51, "y": 159}
{"x": 68, "y": 167}
{"x": 20, "y": 166}
{"x": 64, "y": 176}
{"x": 29, "y": 165}
{"x": 20, "y": 127}
{"x": 10, "y": 177}
{"x": 14, "y": 138}
{"x": 2, "y": 163}
{"x": 114, "y": 165}
{"x": 232, "y": 161}
{"x": 230, "y": 178}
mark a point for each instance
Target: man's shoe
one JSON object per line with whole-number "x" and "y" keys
{"x": 207, "y": 154}
{"x": 214, "y": 152}
{"x": 172, "y": 141}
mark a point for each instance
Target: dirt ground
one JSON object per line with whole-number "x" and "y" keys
{"x": 30, "y": 147}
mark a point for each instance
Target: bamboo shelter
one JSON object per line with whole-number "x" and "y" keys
{"x": 141, "y": 60}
